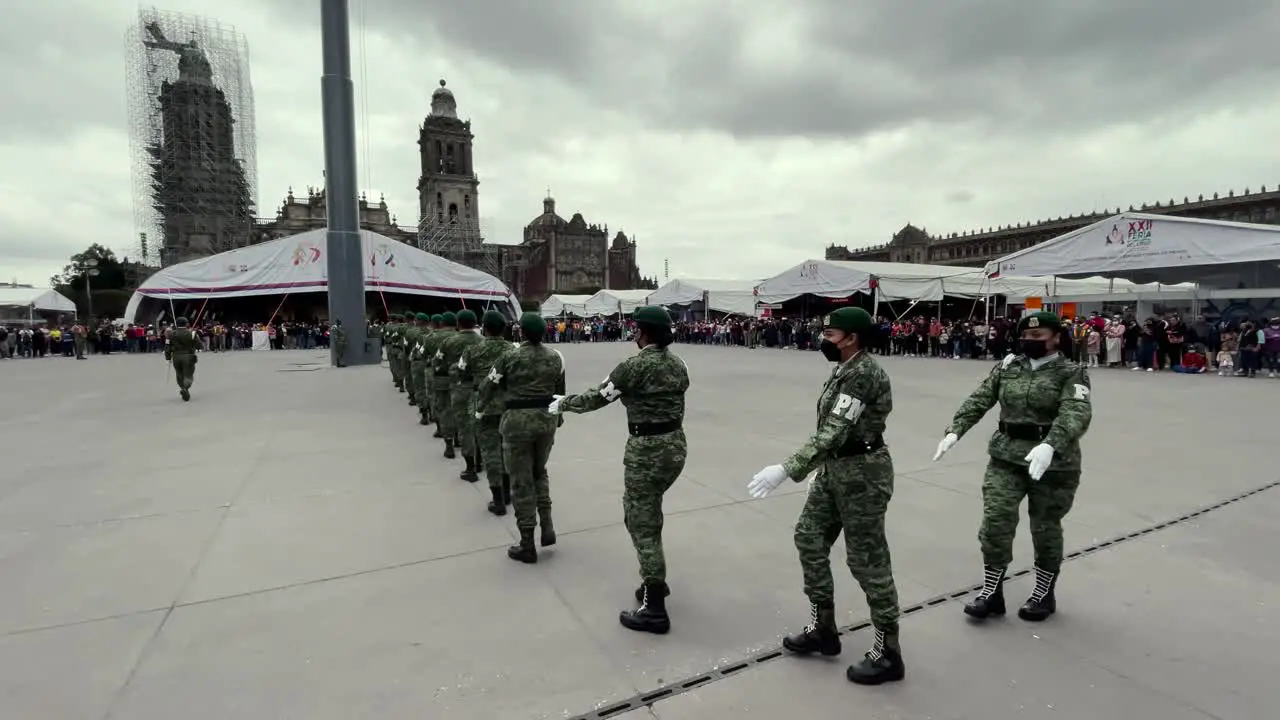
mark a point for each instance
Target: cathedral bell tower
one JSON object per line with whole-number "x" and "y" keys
{"x": 448, "y": 189}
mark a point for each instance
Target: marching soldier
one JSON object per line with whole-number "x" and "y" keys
{"x": 461, "y": 388}
{"x": 651, "y": 385}
{"x": 430, "y": 344}
{"x": 1035, "y": 453}
{"x": 526, "y": 380}
{"x": 392, "y": 340}
{"x": 441, "y": 396}
{"x": 338, "y": 340}
{"x": 409, "y": 342}
{"x": 181, "y": 352}
{"x": 849, "y": 494}
{"x": 418, "y": 368}
{"x": 479, "y": 361}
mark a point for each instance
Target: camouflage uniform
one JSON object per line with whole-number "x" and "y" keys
{"x": 651, "y": 385}
{"x": 850, "y": 494}
{"x": 1042, "y": 402}
{"x": 525, "y": 380}
{"x": 392, "y": 339}
{"x": 181, "y": 351}
{"x": 338, "y": 340}
{"x": 440, "y": 386}
{"x": 461, "y": 387}
{"x": 410, "y": 339}
{"x": 418, "y": 368}
{"x": 430, "y": 345}
{"x": 488, "y": 408}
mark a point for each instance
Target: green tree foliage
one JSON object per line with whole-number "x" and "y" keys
{"x": 110, "y": 285}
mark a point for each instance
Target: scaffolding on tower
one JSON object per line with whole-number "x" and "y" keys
{"x": 191, "y": 118}
{"x": 460, "y": 239}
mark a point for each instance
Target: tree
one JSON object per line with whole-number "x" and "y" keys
{"x": 111, "y": 272}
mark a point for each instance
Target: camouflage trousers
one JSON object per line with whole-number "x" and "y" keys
{"x": 464, "y": 419}
{"x": 339, "y": 354}
{"x": 525, "y": 459}
{"x": 427, "y": 408}
{"x": 417, "y": 369}
{"x": 393, "y": 363}
{"x": 650, "y": 466}
{"x": 489, "y": 443}
{"x": 1049, "y": 499}
{"x": 850, "y": 495}
{"x": 440, "y": 400}
{"x": 184, "y": 370}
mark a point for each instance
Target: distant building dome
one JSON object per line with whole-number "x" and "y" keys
{"x": 443, "y": 103}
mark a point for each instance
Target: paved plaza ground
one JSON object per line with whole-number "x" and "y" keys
{"x": 290, "y": 545}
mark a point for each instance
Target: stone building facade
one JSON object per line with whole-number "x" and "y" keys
{"x": 297, "y": 215}
{"x": 976, "y": 248}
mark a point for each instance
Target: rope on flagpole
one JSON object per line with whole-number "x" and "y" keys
{"x": 278, "y": 309}
{"x": 200, "y": 313}
{"x": 373, "y": 272}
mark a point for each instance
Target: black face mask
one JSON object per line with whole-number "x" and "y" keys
{"x": 1034, "y": 349}
{"x": 830, "y": 350}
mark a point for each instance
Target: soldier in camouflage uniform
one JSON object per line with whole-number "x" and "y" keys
{"x": 651, "y": 385}
{"x": 338, "y": 338}
{"x": 409, "y": 339}
{"x": 525, "y": 381}
{"x": 461, "y": 388}
{"x": 849, "y": 494}
{"x": 392, "y": 338}
{"x": 180, "y": 350}
{"x": 440, "y": 386}
{"x": 488, "y": 407}
{"x": 417, "y": 364}
{"x": 1035, "y": 453}
{"x": 431, "y": 344}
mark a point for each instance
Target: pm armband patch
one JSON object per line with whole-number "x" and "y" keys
{"x": 1082, "y": 392}
{"x": 847, "y": 407}
{"x": 609, "y": 392}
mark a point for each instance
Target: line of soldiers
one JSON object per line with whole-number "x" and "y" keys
{"x": 499, "y": 404}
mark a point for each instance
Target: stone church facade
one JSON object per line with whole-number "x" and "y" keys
{"x": 977, "y": 248}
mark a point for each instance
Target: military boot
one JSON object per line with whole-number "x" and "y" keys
{"x": 437, "y": 433}
{"x": 882, "y": 663}
{"x": 449, "y": 454}
{"x": 186, "y": 394}
{"x": 496, "y": 505}
{"x": 651, "y": 616}
{"x": 1042, "y": 603}
{"x": 821, "y": 634}
{"x": 662, "y": 588}
{"x": 423, "y": 419}
{"x": 413, "y": 401}
{"x": 479, "y": 461}
{"x": 469, "y": 472}
{"x": 525, "y": 552}
{"x": 506, "y": 489}
{"x": 990, "y": 600}
{"x": 548, "y": 528}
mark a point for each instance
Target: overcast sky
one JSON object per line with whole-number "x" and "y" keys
{"x": 735, "y": 139}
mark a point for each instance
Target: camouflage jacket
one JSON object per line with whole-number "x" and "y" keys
{"x": 391, "y": 336}
{"x": 453, "y": 349}
{"x": 182, "y": 342}
{"x": 651, "y": 385}
{"x": 1056, "y": 395}
{"x": 479, "y": 360}
{"x": 411, "y": 339}
{"x": 854, "y": 407}
{"x": 436, "y": 349}
{"x": 339, "y": 335}
{"x": 419, "y": 347}
{"x": 526, "y": 372}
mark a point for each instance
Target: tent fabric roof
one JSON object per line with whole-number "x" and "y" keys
{"x": 923, "y": 283}
{"x": 298, "y": 264}
{"x": 1144, "y": 247}
{"x": 40, "y": 298}
{"x": 612, "y": 302}
{"x": 554, "y": 305}
{"x": 735, "y": 297}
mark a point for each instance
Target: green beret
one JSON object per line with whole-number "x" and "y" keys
{"x": 1039, "y": 319}
{"x": 423, "y": 317}
{"x": 449, "y": 319}
{"x": 466, "y": 319}
{"x": 651, "y": 315}
{"x": 533, "y": 324}
{"x": 850, "y": 320}
{"x": 437, "y": 318}
{"x": 493, "y": 320}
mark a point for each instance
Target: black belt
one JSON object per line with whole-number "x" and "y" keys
{"x": 854, "y": 448}
{"x": 653, "y": 428}
{"x": 540, "y": 403}
{"x": 1024, "y": 431}
{"x": 442, "y": 374}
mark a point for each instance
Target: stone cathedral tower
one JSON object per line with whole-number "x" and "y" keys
{"x": 448, "y": 189}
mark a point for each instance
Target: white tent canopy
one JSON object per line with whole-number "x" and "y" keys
{"x": 735, "y": 297}
{"x": 298, "y": 264}
{"x": 612, "y": 302}
{"x": 36, "y": 299}
{"x": 1148, "y": 248}
{"x": 556, "y": 305}
{"x": 922, "y": 283}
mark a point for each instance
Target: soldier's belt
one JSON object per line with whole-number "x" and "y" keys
{"x": 854, "y": 448}
{"x": 1024, "y": 431}
{"x": 444, "y": 374}
{"x": 653, "y": 428}
{"x": 529, "y": 403}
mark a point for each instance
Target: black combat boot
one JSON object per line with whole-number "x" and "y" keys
{"x": 662, "y": 588}
{"x": 1042, "y": 603}
{"x": 469, "y": 472}
{"x": 821, "y": 634}
{"x": 479, "y": 461}
{"x": 449, "y": 454}
{"x": 413, "y": 401}
{"x": 882, "y": 663}
{"x": 186, "y": 394}
{"x": 525, "y": 552}
{"x": 423, "y": 419}
{"x": 496, "y": 506}
{"x": 651, "y": 616}
{"x": 548, "y": 529}
{"x": 990, "y": 600}
{"x": 437, "y": 433}
{"x": 506, "y": 489}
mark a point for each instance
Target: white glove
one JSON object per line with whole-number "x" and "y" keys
{"x": 479, "y": 416}
{"x": 554, "y": 407}
{"x": 1008, "y": 360}
{"x": 766, "y": 481}
{"x": 948, "y": 441}
{"x": 1039, "y": 459}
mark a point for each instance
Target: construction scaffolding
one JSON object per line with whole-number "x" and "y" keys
{"x": 461, "y": 240}
{"x": 192, "y": 136}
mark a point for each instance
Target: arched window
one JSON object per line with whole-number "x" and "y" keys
{"x": 466, "y": 202}
{"x": 453, "y": 213}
